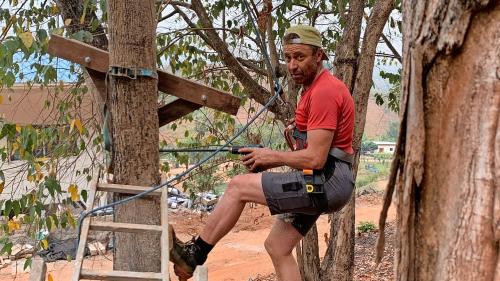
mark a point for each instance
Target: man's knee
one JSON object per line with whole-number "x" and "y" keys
{"x": 234, "y": 186}
{"x": 276, "y": 249}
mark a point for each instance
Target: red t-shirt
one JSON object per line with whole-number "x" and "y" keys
{"x": 328, "y": 105}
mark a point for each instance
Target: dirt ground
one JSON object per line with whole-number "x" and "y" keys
{"x": 241, "y": 254}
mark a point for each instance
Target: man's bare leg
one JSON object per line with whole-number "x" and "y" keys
{"x": 280, "y": 244}
{"x": 240, "y": 190}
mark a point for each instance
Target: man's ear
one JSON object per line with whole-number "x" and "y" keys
{"x": 319, "y": 55}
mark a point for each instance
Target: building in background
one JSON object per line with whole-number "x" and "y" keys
{"x": 385, "y": 147}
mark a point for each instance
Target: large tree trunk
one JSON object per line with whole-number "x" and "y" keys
{"x": 448, "y": 192}
{"x": 133, "y": 109}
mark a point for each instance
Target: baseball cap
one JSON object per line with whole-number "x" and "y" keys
{"x": 305, "y": 35}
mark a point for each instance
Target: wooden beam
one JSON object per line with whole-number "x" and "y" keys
{"x": 119, "y": 275}
{"x": 124, "y": 227}
{"x": 166, "y": 113}
{"x": 197, "y": 93}
{"x": 98, "y": 60}
{"x": 80, "y": 253}
{"x": 175, "y": 110}
{"x": 38, "y": 269}
{"x": 127, "y": 189}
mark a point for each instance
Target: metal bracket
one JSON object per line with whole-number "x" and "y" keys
{"x": 132, "y": 73}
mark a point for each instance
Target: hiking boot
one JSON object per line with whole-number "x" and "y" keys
{"x": 185, "y": 256}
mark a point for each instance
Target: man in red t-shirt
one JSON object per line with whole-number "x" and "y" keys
{"x": 324, "y": 122}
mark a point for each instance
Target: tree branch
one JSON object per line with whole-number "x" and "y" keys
{"x": 373, "y": 31}
{"x": 389, "y": 44}
{"x": 190, "y": 23}
{"x": 168, "y": 16}
{"x": 256, "y": 91}
{"x": 273, "y": 52}
{"x": 180, "y": 3}
{"x": 252, "y": 66}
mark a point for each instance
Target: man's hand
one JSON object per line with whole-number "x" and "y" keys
{"x": 259, "y": 159}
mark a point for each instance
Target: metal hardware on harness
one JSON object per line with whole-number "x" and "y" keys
{"x": 301, "y": 139}
{"x": 314, "y": 181}
{"x": 132, "y": 73}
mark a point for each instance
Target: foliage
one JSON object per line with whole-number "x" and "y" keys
{"x": 391, "y": 98}
{"x": 368, "y": 147}
{"x": 392, "y": 132}
{"x": 370, "y": 172}
{"x": 365, "y": 227}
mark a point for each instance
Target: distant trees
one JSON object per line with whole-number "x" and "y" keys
{"x": 368, "y": 147}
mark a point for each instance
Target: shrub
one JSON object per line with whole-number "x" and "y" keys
{"x": 364, "y": 227}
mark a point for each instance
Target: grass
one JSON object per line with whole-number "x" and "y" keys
{"x": 370, "y": 172}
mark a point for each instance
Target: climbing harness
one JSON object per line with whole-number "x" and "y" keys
{"x": 315, "y": 179}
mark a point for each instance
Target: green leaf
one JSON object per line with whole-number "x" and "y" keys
{"x": 55, "y": 221}
{"x": 84, "y": 195}
{"x": 83, "y": 36}
{"x": 57, "y": 31}
{"x": 7, "y": 248}
{"x": 23, "y": 201}
{"x": 27, "y": 263}
{"x": 48, "y": 223}
{"x": 16, "y": 207}
{"x": 8, "y": 207}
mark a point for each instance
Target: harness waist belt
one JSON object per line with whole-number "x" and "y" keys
{"x": 341, "y": 155}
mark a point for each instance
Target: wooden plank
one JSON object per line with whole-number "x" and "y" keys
{"x": 96, "y": 59}
{"x": 175, "y": 110}
{"x": 38, "y": 270}
{"x": 165, "y": 247}
{"x": 84, "y": 233}
{"x": 119, "y": 275}
{"x": 127, "y": 189}
{"x": 77, "y": 52}
{"x": 198, "y": 93}
{"x": 98, "y": 80}
{"x": 123, "y": 227}
{"x": 200, "y": 273}
{"x": 166, "y": 114}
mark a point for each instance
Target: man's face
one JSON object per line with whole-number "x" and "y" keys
{"x": 302, "y": 62}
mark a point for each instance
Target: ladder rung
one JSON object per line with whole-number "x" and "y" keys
{"x": 123, "y": 227}
{"x": 122, "y": 188}
{"x": 119, "y": 275}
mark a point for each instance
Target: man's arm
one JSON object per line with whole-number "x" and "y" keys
{"x": 313, "y": 157}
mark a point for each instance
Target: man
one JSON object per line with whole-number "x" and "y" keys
{"x": 324, "y": 121}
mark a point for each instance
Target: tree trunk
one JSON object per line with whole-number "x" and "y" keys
{"x": 355, "y": 70}
{"x": 133, "y": 110}
{"x": 73, "y": 9}
{"x": 448, "y": 194}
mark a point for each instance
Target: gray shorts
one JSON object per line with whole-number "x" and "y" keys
{"x": 282, "y": 199}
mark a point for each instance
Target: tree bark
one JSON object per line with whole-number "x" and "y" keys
{"x": 73, "y": 9}
{"x": 133, "y": 110}
{"x": 448, "y": 187}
